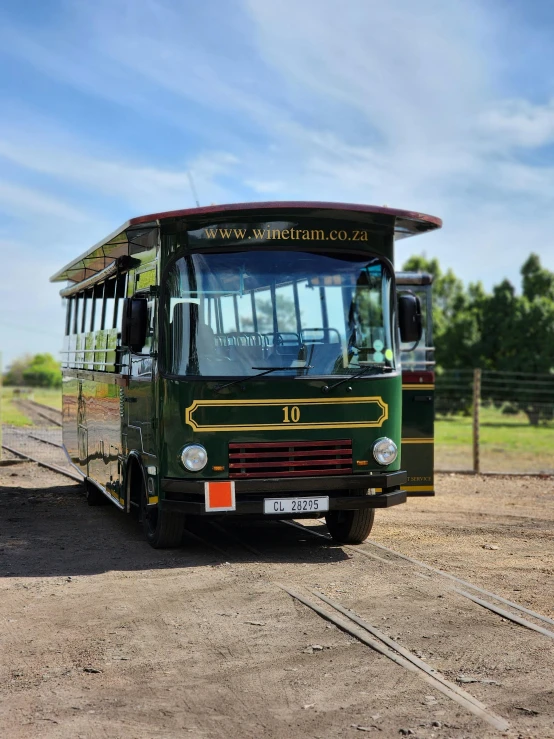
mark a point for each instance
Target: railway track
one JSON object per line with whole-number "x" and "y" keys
{"x": 25, "y": 445}
{"x": 362, "y": 550}
{"x": 52, "y": 467}
{"x": 40, "y": 414}
{"x": 231, "y": 545}
{"x": 359, "y": 550}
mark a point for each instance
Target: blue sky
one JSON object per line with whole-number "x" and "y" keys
{"x": 446, "y": 108}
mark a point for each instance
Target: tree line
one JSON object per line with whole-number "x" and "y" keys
{"x": 500, "y": 331}
{"x": 39, "y": 370}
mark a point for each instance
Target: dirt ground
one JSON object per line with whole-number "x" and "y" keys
{"x": 103, "y": 636}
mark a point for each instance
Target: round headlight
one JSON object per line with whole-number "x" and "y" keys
{"x": 385, "y": 451}
{"x": 194, "y": 457}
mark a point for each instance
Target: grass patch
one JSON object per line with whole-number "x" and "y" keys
{"x": 507, "y": 442}
{"x": 12, "y": 415}
{"x": 51, "y": 397}
{"x": 9, "y": 413}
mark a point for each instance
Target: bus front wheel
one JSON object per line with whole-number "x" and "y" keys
{"x": 163, "y": 529}
{"x": 350, "y": 527}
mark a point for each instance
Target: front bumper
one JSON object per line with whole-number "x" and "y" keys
{"x": 348, "y": 492}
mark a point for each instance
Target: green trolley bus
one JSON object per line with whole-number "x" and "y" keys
{"x": 245, "y": 359}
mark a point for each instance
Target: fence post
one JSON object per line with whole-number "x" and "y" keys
{"x": 476, "y": 406}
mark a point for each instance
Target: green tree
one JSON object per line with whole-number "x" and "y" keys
{"x": 536, "y": 281}
{"x": 499, "y": 331}
{"x": 14, "y": 373}
{"x": 40, "y": 370}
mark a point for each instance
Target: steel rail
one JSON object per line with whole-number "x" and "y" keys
{"x": 432, "y": 678}
{"x": 41, "y": 405}
{"x": 45, "y": 441}
{"x": 506, "y": 614}
{"x": 401, "y": 650}
{"x": 418, "y": 562}
{"x": 36, "y": 406}
{"x": 467, "y": 584}
{"x": 52, "y": 467}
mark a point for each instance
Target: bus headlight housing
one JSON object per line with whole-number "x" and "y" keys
{"x": 194, "y": 457}
{"x": 385, "y": 451}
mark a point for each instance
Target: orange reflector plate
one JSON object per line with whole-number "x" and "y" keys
{"x": 220, "y": 496}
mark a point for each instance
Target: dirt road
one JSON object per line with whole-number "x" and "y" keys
{"x": 103, "y": 636}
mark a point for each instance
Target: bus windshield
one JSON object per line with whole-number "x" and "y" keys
{"x": 235, "y": 313}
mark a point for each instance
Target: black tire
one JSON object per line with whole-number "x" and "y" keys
{"x": 93, "y": 495}
{"x": 163, "y": 529}
{"x": 350, "y": 527}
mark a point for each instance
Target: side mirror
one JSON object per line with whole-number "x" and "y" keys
{"x": 409, "y": 318}
{"x": 135, "y": 323}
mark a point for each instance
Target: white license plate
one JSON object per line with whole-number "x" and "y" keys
{"x": 295, "y": 505}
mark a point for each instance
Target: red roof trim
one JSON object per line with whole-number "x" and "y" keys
{"x": 405, "y": 222}
{"x": 409, "y": 215}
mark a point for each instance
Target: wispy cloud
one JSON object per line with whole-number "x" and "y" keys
{"x": 26, "y": 203}
{"x": 398, "y": 103}
{"x": 519, "y": 123}
{"x": 139, "y": 186}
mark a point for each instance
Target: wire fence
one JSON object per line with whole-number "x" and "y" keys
{"x": 485, "y": 421}
{"x": 488, "y": 421}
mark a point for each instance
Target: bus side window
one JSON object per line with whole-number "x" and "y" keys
{"x": 229, "y": 319}
{"x": 86, "y": 307}
{"x": 78, "y": 299}
{"x": 108, "y": 306}
{"x": 210, "y": 314}
{"x": 120, "y": 294}
{"x": 97, "y": 305}
{"x": 287, "y": 320}
{"x": 264, "y": 311}
{"x": 68, "y": 311}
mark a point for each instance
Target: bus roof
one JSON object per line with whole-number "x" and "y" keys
{"x": 139, "y": 234}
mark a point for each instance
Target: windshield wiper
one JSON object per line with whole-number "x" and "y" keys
{"x": 364, "y": 371}
{"x": 266, "y": 371}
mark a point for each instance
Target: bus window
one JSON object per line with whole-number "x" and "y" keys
{"x": 264, "y": 312}
{"x": 228, "y": 310}
{"x": 286, "y": 313}
{"x": 86, "y": 305}
{"x": 68, "y": 307}
{"x": 109, "y": 303}
{"x": 310, "y": 300}
{"x": 323, "y": 312}
{"x": 211, "y": 314}
{"x": 77, "y": 302}
{"x": 97, "y": 306}
{"x": 244, "y": 310}
{"x": 120, "y": 294}
{"x": 334, "y": 307}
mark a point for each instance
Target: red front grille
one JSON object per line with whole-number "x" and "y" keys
{"x": 290, "y": 458}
